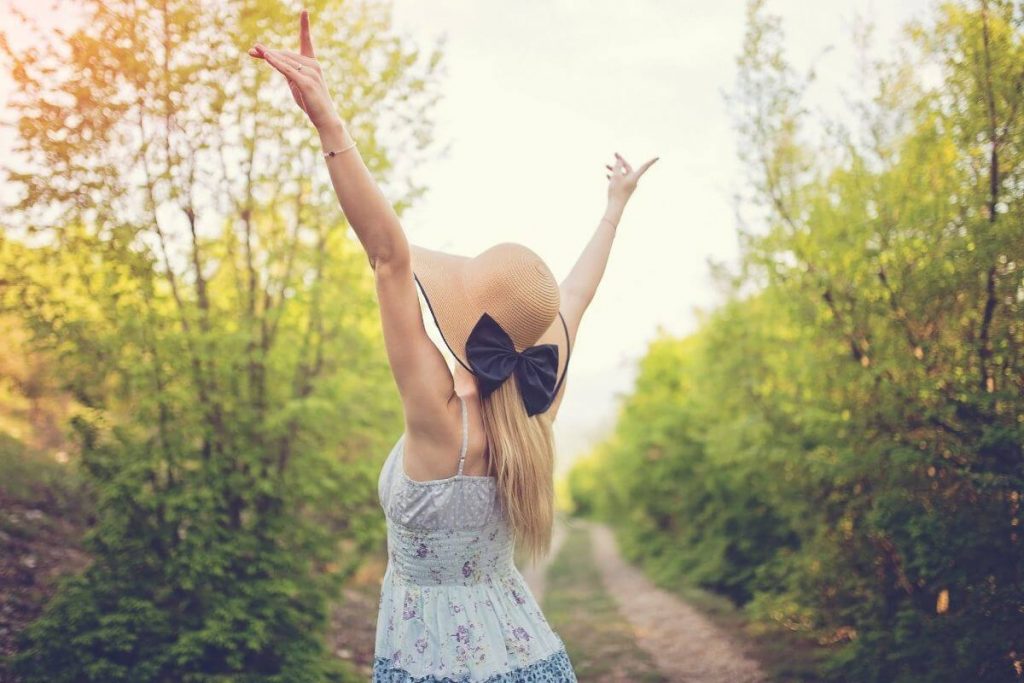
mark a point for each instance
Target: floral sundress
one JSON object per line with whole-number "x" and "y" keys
{"x": 453, "y": 606}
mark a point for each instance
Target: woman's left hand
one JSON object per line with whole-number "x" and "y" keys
{"x": 622, "y": 179}
{"x": 304, "y": 75}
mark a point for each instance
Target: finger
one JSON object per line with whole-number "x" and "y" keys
{"x": 629, "y": 169}
{"x": 258, "y": 48}
{"x": 263, "y": 51}
{"x": 608, "y": 177}
{"x": 286, "y": 69}
{"x": 287, "y": 59}
{"x": 305, "y": 40}
{"x": 301, "y": 58}
{"x": 618, "y": 163}
{"x": 609, "y": 167}
{"x": 645, "y": 166}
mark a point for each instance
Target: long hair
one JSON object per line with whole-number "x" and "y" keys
{"x": 523, "y": 460}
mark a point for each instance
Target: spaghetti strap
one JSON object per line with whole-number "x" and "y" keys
{"x": 465, "y": 435}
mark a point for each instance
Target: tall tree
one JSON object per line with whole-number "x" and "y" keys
{"x": 178, "y": 246}
{"x": 842, "y": 451}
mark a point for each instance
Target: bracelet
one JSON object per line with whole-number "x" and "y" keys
{"x": 614, "y": 225}
{"x": 328, "y": 155}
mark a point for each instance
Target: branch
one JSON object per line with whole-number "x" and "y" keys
{"x": 985, "y": 346}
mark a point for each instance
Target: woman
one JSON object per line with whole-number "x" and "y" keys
{"x": 471, "y": 476}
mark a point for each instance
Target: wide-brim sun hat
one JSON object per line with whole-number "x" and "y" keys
{"x": 499, "y": 314}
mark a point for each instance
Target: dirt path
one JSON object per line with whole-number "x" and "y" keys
{"x": 684, "y": 644}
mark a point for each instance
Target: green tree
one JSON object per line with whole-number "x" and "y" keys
{"x": 842, "y": 450}
{"x": 178, "y": 249}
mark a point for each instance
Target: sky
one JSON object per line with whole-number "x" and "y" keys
{"x": 538, "y": 95}
{"x": 537, "y": 100}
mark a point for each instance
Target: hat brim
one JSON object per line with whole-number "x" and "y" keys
{"x": 439, "y": 276}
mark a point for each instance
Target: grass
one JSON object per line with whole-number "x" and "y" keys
{"x": 599, "y": 640}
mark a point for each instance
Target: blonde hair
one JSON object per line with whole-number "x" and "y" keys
{"x": 522, "y": 458}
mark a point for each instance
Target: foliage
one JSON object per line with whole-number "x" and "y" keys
{"x": 178, "y": 252}
{"x": 34, "y": 478}
{"x": 840, "y": 447}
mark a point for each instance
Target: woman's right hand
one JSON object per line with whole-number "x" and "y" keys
{"x": 304, "y": 75}
{"x": 622, "y": 179}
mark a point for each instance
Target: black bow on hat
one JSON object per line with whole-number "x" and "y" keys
{"x": 493, "y": 358}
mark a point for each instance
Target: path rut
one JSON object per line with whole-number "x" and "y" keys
{"x": 685, "y": 645}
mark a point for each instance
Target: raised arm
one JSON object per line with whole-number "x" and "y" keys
{"x": 420, "y": 371}
{"x": 580, "y": 285}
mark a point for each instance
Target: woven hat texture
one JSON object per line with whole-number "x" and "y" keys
{"x": 508, "y": 281}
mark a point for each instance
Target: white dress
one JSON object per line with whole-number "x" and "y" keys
{"x": 453, "y": 605}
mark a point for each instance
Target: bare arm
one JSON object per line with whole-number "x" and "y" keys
{"x": 580, "y": 285}
{"x": 420, "y": 371}
{"x": 367, "y": 209}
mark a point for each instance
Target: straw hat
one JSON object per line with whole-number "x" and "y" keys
{"x": 498, "y": 313}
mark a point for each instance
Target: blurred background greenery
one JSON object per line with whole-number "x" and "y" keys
{"x": 182, "y": 294}
{"x": 195, "y": 402}
{"x": 838, "y": 449}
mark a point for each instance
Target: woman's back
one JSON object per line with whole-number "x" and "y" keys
{"x": 453, "y": 606}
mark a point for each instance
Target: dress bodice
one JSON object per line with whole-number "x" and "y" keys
{"x": 457, "y": 502}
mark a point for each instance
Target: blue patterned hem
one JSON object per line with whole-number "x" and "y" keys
{"x": 555, "y": 668}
